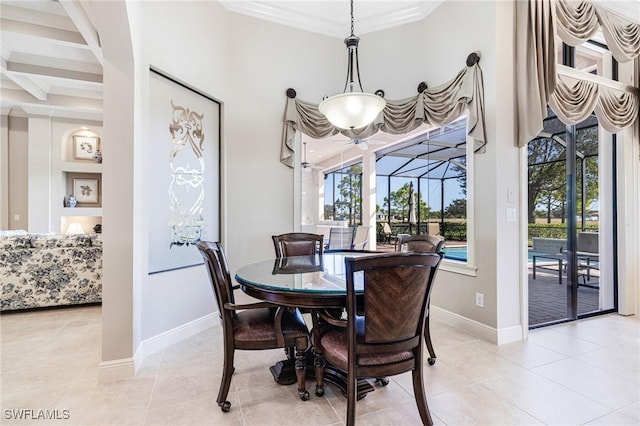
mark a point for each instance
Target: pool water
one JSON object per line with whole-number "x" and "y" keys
{"x": 456, "y": 253}
{"x": 460, "y": 253}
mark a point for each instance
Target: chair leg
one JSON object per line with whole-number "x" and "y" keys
{"x": 318, "y": 356}
{"x": 352, "y": 387}
{"x": 319, "y": 364}
{"x": 427, "y": 338}
{"x": 421, "y": 398}
{"x": 301, "y": 367}
{"x": 227, "y": 372}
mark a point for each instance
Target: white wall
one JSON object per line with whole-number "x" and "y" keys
{"x": 248, "y": 64}
{"x": 265, "y": 61}
{"x": 17, "y": 173}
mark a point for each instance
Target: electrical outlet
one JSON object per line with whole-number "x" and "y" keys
{"x": 480, "y": 300}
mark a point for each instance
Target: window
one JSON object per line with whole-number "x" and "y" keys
{"x": 432, "y": 166}
{"x": 343, "y": 195}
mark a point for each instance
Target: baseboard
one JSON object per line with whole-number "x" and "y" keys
{"x": 510, "y": 334}
{"x": 164, "y": 340}
{"x": 116, "y": 369}
{"x": 477, "y": 329}
{"x": 128, "y": 367}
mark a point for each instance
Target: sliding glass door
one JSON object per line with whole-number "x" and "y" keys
{"x": 571, "y": 230}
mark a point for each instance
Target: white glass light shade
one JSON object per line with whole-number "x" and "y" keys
{"x": 352, "y": 110}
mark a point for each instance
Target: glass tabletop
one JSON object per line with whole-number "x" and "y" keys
{"x": 305, "y": 274}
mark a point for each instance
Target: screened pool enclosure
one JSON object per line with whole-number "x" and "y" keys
{"x": 421, "y": 186}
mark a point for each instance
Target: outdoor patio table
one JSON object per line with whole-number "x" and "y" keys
{"x": 559, "y": 257}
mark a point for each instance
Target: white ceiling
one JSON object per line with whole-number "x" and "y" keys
{"x": 52, "y": 61}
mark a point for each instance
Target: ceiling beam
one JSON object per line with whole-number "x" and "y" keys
{"x": 81, "y": 20}
{"x": 17, "y": 67}
{"x": 25, "y": 82}
{"x": 64, "y": 37}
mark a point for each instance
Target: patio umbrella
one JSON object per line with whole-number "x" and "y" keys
{"x": 412, "y": 206}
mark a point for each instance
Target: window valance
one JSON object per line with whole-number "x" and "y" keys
{"x": 579, "y": 21}
{"x": 538, "y": 84}
{"x": 574, "y": 99}
{"x": 439, "y": 105}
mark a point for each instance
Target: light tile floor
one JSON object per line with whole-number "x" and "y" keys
{"x": 585, "y": 372}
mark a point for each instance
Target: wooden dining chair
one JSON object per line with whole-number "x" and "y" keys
{"x": 385, "y": 339}
{"x": 423, "y": 244}
{"x": 420, "y": 243}
{"x": 298, "y": 244}
{"x": 255, "y": 326}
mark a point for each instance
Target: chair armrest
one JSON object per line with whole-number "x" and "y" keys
{"x": 329, "y": 319}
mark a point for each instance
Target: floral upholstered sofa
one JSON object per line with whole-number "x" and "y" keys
{"x": 49, "y": 270}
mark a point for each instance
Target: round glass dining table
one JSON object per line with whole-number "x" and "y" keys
{"x": 301, "y": 281}
{"x": 304, "y": 282}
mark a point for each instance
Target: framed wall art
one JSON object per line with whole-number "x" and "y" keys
{"x": 183, "y": 158}
{"x": 85, "y": 147}
{"x": 86, "y": 191}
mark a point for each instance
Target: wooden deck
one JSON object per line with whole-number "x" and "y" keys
{"x": 547, "y": 298}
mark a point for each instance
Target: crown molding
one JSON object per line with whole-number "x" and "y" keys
{"x": 278, "y": 12}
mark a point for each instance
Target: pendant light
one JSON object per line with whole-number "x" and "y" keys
{"x": 352, "y": 109}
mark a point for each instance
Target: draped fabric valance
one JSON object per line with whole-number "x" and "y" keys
{"x": 579, "y": 21}
{"x": 538, "y": 84}
{"x": 574, "y": 101}
{"x": 439, "y": 105}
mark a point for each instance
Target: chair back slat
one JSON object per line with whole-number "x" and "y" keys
{"x": 420, "y": 243}
{"x": 396, "y": 293}
{"x": 298, "y": 244}
{"x": 393, "y": 302}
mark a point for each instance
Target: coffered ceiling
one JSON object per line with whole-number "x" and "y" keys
{"x": 51, "y": 59}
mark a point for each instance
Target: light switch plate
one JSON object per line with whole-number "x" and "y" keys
{"x": 511, "y": 215}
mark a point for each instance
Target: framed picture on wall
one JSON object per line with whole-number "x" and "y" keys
{"x": 86, "y": 191}
{"x": 85, "y": 147}
{"x": 182, "y": 154}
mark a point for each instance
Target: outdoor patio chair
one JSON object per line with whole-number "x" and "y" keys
{"x": 340, "y": 238}
{"x": 588, "y": 256}
{"x": 387, "y": 233}
{"x": 433, "y": 228}
{"x": 361, "y": 237}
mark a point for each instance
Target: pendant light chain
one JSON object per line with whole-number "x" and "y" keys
{"x": 352, "y": 19}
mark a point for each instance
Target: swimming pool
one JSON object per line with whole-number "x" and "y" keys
{"x": 456, "y": 253}
{"x": 460, "y": 253}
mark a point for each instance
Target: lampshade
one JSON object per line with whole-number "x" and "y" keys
{"x": 74, "y": 228}
{"x": 352, "y": 110}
